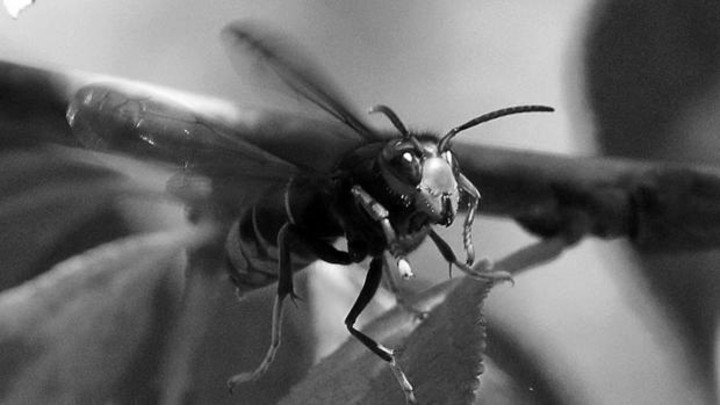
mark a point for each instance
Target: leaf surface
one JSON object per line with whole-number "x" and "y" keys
{"x": 442, "y": 356}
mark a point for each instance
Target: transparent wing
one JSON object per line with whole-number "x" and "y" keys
{"x": 279, "y": 61}
{"x": 108, "y": 119}
{"x": 236, "y": 161}
{"x": 207, "y": 155}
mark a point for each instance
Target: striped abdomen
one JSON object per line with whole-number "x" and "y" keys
{"x": 252, "y": 241}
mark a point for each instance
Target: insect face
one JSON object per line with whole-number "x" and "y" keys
{"x": 424, "y": 177}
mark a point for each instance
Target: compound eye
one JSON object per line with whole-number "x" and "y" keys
{"x": 407, "y": 168}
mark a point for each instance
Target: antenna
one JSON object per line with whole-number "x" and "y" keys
{"x": 390, "y": 114}
{"x": 445, "y": 141}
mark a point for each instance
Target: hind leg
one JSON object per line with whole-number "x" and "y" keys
{"x": 285, "y": 288}
{"x": 289, "y": 236}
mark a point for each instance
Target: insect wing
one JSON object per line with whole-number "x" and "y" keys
{"x": 205, "y": 152}
{"x": 278, "y": 61}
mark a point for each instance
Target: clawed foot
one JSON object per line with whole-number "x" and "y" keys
{"x": 242, "y": 378}
{"x": 403, "y": 382}
{"x": 483, "y": 270}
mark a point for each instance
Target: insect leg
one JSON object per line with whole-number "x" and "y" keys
{"x": 380, "y": 214}
{"x": 327, "y": 252}
{"x": 445, "y": 250}
{"x": 285, "y": 288}
{"x": 469, "y": 188}
{"x": 372, "y": 282}
{"x": 482, "y": 270}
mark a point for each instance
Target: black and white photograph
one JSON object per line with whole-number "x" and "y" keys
{"x": 360, "y": 202}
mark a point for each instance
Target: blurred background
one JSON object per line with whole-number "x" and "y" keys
{"x": 633, "y": 79}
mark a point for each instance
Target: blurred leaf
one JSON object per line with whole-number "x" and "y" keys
{"x": 651, "y": 72}
{"x": 48, "y": 195}
{"x": 92, "y": 328}
{"x": 43, "y": 198}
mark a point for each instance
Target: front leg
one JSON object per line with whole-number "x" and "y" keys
{"x": 481, "y": 270}
{"x": 380, "y": 214}
{"x": 474, "y": 195}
